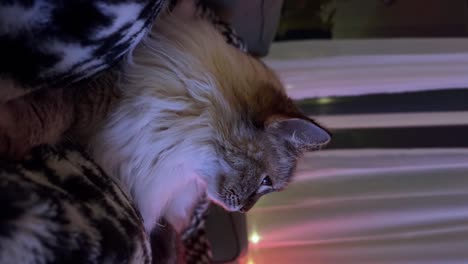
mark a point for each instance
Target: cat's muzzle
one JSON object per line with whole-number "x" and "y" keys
{"x": 245, "y": 209}
{"x": 251, "y": 201}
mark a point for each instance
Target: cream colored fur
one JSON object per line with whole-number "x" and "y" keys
{"x": 188, "y": 115}
{"x": 158, "y": 142}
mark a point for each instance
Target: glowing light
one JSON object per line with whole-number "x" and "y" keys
{"x": 255, "y": 238}
{"x": 324, "y": 100}
{"x": 250, "y": 262}
{"x": 289, "y": 86}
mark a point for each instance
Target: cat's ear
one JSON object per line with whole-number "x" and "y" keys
{"x": 303, "y": 134}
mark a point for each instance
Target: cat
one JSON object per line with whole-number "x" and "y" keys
{"x": 187, "y": 115}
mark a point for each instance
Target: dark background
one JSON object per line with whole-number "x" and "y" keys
{"x": 337, "y": 19}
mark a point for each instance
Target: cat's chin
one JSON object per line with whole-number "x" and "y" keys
{"x": 234, "y": 209}
{"x": 215, "y": 199}
{"x": 231, "y": 208}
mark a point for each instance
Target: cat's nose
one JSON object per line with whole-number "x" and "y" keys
{"x": 250, "y": 202}
{"x": 245, "y": 209}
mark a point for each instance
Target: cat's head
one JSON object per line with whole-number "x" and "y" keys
{"x": 256, "y": 132}
{"x": 261, "y": 134}
{"x": 263, "y": 160}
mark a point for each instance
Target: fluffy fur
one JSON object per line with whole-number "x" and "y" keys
{"x": 194, "y": 119}
{"x": 190, "y": 115}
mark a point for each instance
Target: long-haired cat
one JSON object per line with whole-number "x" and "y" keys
{"x": 188, "y": 115}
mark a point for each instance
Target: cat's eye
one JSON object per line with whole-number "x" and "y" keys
{"x": 267, "y": 181}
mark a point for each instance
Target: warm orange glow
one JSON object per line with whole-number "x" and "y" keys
{"x": 255, "y": 238}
